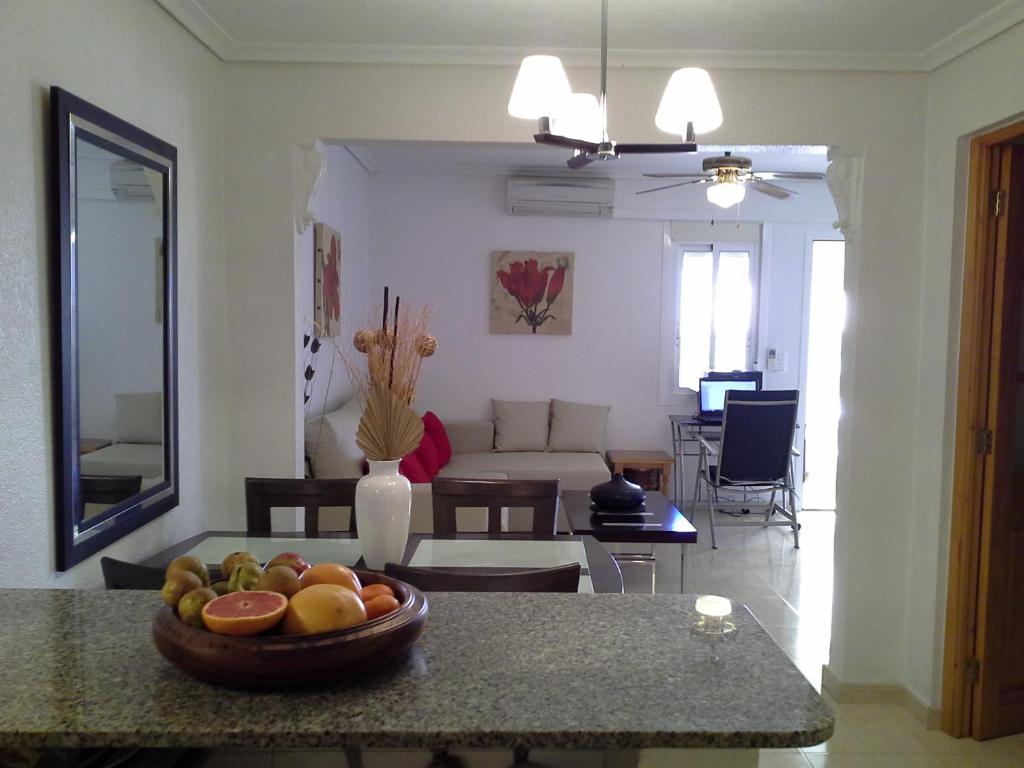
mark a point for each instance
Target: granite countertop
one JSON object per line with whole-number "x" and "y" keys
{"x": 605, "y": 671}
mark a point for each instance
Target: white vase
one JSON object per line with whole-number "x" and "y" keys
{"x": 383, "y": 503}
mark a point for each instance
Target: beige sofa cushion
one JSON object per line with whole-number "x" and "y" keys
{"x": 331, "y": 441}
{"x": 521, "y": 426}
{"x": 577, "y": 471}
{"x": 577, "y": 426}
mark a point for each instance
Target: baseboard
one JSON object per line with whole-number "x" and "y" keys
{"x": 879, "y": 693}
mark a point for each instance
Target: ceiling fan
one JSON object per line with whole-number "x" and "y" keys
{"x": 729, "y": 175}
{"x": 579, "y": 121}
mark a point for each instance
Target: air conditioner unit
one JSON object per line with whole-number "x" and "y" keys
{"x": 559, "y": 196}
{"x": 128, "y": 181}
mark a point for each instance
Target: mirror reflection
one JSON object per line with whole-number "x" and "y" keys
{"x": 119, "y": 219}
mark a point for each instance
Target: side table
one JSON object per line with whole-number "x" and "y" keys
{"x": 654, "y": 461}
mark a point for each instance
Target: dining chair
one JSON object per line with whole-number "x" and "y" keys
{"x": 108, "y": 489}
{"x": 563, "y": 578}
{"x": 264, "y": 493}
{"x": 118, "y": 574}
{"x": 753, "y": 456}
{"x": 451, "y": 493}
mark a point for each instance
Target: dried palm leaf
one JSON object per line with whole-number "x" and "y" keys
{"x": 389, "y": 428}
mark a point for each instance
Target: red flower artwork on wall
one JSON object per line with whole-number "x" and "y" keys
{"x": 534, "y": 283}
{"x": 327, "y": 298}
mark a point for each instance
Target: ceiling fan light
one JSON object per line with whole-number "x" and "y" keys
{"x": 541, "y": 88}
{"x": 727, "y": 194}
{"x": 689, "y": 98}
{"x": 579, "y": 117}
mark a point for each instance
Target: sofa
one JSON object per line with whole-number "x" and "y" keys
{"x": 330, "y": 442}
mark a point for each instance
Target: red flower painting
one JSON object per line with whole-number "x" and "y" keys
{"x": 534, "y": 288}
{"x": 327, "y": 297}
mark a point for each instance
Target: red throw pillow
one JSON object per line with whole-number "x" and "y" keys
{"x": 427, "y": 454}
{"x": 411, "y": 468}
{"x": 439, "y": 435}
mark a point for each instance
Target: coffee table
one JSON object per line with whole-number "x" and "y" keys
{"x": 659, "y": 523}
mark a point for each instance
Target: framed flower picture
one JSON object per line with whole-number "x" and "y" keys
{"x": 531, "y": 292}
{"x": 327, "y": 291}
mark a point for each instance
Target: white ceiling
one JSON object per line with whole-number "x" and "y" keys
{"x": 914, "y": 35}
{"x": 453, "y": 158}
{"x": 812, "y": 201}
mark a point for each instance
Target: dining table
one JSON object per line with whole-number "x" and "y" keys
{"x": 505, "y": 552}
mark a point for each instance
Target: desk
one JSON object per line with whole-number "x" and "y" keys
{"x": 491, "y": 670}
{"x": 660, "y": 523}
{"x": 685, "y": 430}
{"x": 508, "y": 551}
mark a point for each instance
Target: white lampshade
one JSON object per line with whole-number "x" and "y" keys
{"x": 726, "y": 194}
{"x": 689, "y": 98}
{"x": 541, "y": 88}
{"x": 579, "y": 117}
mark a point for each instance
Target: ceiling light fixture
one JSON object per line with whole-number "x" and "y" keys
{"x": 726, "y": 194}
{"x": 579, "y": 121}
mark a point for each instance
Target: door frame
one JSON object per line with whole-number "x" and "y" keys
{"x": 966, "y": 558}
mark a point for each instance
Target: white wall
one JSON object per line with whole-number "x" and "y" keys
{"x": 131, "y": 59}
{"x": 432, "y": 241}
{"x": 120, "y": 340}
{"x": 342, "y": 201}
{"x": 981, "y": 88}
{"x": 878, "y": 116}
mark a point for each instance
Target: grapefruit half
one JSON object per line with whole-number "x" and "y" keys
{"x": 244, "y": 613}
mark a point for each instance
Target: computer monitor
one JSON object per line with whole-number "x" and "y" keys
{"x": 712, "y": 393}
{"x": 757, "y": 376}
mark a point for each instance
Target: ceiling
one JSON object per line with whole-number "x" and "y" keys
{"x": 900, "y": 35}
{"x": 503, "y": 159}
{"x": 812, "y": 201}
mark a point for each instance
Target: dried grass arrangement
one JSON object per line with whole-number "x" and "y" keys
{"x": 389, "y": 428}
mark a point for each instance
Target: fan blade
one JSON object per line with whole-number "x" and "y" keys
{"x": 672, "y": 186}
{"x": 578, "y": 161}
{"x": 676, "y": 175}
{"x": 565, "y": 141}
{"x": 772, "y": 190}
{"x": 789, "y": 175}
{"x": 654, "y": 149}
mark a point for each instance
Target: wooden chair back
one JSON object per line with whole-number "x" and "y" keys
{"x": 118, "y": 574}
{"x": 264, "y": 493}
{"x": 108, "y": 489}
{"x": 540, "y": 495}
{"x": 564, "y": 578}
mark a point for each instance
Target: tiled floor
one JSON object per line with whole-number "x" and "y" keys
{"x": 790, "y": 592}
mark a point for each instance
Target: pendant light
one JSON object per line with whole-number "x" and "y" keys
{"x": 579, "y": 121}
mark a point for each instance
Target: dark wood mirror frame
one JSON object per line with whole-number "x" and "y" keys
{"x": 71, "y": 116}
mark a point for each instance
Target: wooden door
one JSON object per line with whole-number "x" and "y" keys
{"x": 998, "y": 696}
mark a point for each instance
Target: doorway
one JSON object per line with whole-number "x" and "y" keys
{"x": 825, "y": 320}
{"x": 983, "y": 679}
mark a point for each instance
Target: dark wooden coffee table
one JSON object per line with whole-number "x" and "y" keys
{"x": 659, "y": 523}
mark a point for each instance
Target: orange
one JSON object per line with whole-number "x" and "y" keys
{"x": 323, "y": 608}
{"x": 371, "y": 591}
{"x": 244, "y": 613}
{"x": 330, "y": 573}
{"x": 381, "y": 605}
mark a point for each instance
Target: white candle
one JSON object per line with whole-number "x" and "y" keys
{"x": 713, "y": 606}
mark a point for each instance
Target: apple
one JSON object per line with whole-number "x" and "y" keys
{"x": 293, "y": 560}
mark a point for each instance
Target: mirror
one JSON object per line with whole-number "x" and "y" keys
{"x": 117, "y": 388}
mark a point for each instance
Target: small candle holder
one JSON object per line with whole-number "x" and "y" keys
{"x": 714, "y": 611}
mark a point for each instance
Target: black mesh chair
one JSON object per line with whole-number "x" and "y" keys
{"x": 752, "y": 457}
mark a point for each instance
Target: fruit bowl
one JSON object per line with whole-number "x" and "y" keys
{"x": 274, "y": 660}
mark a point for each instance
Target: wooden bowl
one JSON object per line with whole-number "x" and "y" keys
{"x": 272, "y": 661}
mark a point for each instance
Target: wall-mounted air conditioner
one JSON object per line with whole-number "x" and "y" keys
{"x": 128, "y": 181}
{"x": 559, "y": 196}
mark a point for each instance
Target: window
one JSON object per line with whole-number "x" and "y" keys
{"x": 715, "y": 318}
